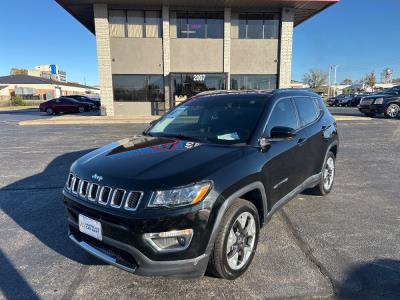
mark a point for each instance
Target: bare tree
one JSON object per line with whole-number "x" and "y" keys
{"x": 370, "y": 80}
{"x": 347, "y": 81}
{"x": 315, "y": 78}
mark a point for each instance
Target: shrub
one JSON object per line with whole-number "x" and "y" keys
{"x": 18, "y": 101}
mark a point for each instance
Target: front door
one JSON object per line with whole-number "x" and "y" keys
{"x": 186, "y": 85}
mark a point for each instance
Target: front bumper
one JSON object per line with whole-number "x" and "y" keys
{"x": 371, "y": 109}
{"x": 123, "y": 246}
{"x": 132, "y": 260}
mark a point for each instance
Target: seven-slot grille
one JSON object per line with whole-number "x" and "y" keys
{"x": 103, "y": 195}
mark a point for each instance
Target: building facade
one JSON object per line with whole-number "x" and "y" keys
{"x": 37, "y": 88}
{"x": 154, "y": 54}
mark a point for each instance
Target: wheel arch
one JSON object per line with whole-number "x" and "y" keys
{"x": 253, "y": 192}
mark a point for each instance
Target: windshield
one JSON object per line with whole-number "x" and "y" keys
{"x": 223, "y": 119}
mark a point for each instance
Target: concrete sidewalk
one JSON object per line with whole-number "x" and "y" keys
{"x": 93, "y": 120}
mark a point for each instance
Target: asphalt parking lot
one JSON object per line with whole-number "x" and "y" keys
{"x": 346, "y": 245}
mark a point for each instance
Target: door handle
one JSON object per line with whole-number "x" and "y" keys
{"x": 301, "y": 141}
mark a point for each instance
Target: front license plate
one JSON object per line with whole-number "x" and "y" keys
{"x": 90, "y": 227}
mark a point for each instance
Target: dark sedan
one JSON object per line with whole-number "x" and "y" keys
{"x": 65, "y": 105}
{"x": 387, "y": 103}
{"x": 80, "y": 98}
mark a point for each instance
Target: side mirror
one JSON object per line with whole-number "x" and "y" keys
{"x": 154, "y": 121}
{"x": 281, "y": 133}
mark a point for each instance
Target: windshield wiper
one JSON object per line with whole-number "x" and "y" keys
{"x": 184, "y": 137}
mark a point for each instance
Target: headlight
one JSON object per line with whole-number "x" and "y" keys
{"x": 379, "y": 101}
{"x": 181, "y": 196}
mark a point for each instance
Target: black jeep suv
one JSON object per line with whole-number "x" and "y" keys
{"x": 192, "y": 191}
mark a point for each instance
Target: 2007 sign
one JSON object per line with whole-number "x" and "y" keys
{"x": 199, "y": 77}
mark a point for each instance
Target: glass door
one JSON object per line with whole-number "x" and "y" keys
{"x": 186, "y": 85}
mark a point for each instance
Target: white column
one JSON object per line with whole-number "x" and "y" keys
{"x": 104, "y": 57}
{"x": 285, "y": 57}
{"x": 227, "y": 46}
{"x": 166, "y": 56}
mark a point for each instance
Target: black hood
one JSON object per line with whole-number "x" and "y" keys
{"x": 155, "y": 162}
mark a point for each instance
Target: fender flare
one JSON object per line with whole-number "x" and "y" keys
{"x": 257, "y": 185}
{"x": 331, "y": 145}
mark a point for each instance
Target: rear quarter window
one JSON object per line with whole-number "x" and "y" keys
{"x": 308, "y": 110}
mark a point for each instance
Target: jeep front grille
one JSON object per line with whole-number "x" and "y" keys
{"x": 93, "y": 191}
{"x": 83, "y": 191}
{"x": 133, "y": 200}
{"x": 69, "y": 181}
{"x": 104, "y": 195}
{"x": 75, "y": 185}
{"x": 117, "y": 198}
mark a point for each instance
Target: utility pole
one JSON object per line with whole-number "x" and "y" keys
{"x": 334, "y": 81}
{"x": 329, "y": 81}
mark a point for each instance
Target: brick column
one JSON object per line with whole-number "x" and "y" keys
{"x": 227, "y": 46}
{"x": 285, "y": 56}
{"x": 166, "y": 56}
{"x": 104, "y": 57}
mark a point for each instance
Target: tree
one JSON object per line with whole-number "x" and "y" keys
{"x": 347, "y": 81}
{"x": 370, "y": 80}
{"x": 315, "y": 79}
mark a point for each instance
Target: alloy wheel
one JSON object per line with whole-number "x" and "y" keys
{"x": 393, "y": 110}
{"x": 329, "y": 173}
{"x": 241, "y": 241}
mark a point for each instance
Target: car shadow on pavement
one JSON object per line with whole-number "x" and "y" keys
{"x": 35, "y": 204}
{"x": 373, "y": 280}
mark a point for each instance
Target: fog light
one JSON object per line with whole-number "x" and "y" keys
{"x": 174, "y": 240}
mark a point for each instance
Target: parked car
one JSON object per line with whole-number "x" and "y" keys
{"x": 194, "y": 189}
{"x": 335, "y": 101}
{"x": 346, "y": 101}
{"x": 64, "y": 105}
{"x": 387, "y": 103}
{"x": 96, "y": 103}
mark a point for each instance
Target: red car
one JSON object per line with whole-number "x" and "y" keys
{"x": 64, "y": 105}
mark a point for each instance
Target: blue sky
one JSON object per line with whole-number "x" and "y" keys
{"x": 358, "y": 35}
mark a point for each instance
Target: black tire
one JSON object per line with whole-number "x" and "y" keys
{"x": 81, "y": 109}
{"x": 392, "y": 111}
{"x": 321, "y": 189}
{"x": 218, "y": 264}
{"x": 49, "y": 111}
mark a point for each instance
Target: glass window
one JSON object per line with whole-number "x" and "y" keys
{"x": 253, "y": 82}
{"x": 117, "y": 20}
{"x": 271, "y": 26}
{"x": 135, "y": 22}
{"x": 229, "y": 120}
{"x": 283, "y": 115}
{"x": 255, "y": 26}
{"x": 215, "y": 25}
{"x": 138, "y": 88}
{"x": 153, "y": 24}
{"x": 197, "y": 25}
{"x": 307, "y": 109}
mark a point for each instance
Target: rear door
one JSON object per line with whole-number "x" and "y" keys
{"x": 310, "y": 114}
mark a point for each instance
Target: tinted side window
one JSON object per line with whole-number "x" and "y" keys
{"x": 283, "y": 115}
{"x": 307, "y": 109}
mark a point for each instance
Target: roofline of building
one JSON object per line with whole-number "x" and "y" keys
{"x": 83, "y": 12}
{"x": 35, "y": 80}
